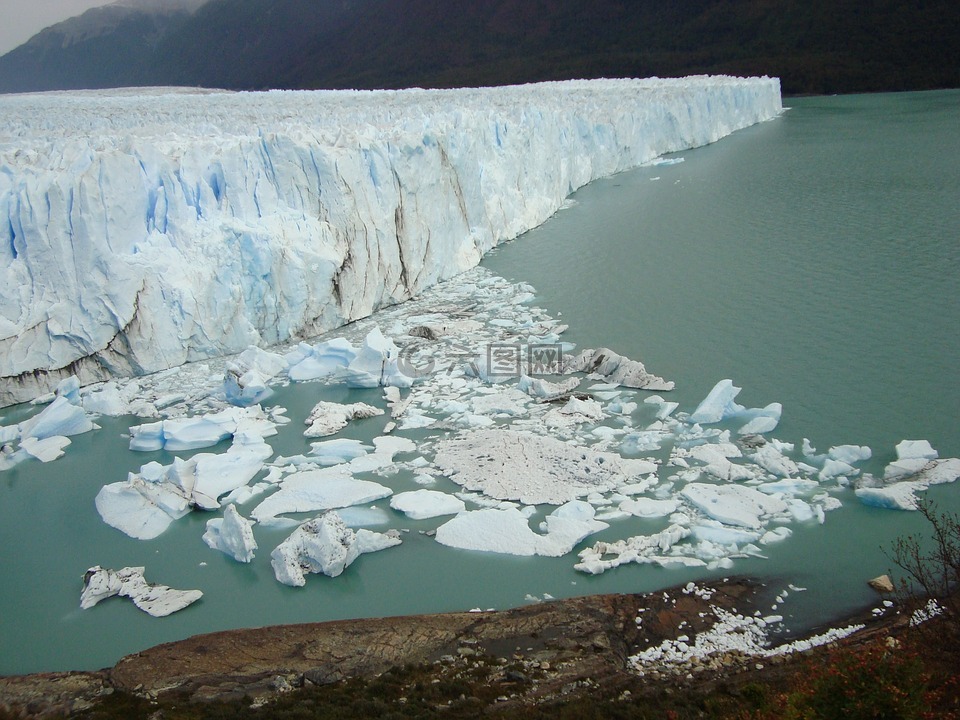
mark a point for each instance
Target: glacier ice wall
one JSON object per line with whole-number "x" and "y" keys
{"x": 141, "y": 229}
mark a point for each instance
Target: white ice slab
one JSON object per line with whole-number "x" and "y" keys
{"x": 425, "y": 504}
{"x": 157, "y": 600}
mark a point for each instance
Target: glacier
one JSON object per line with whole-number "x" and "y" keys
{"x": 144, "y": 228}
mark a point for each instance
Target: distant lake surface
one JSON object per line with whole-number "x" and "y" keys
{"x": 812, "y": 259}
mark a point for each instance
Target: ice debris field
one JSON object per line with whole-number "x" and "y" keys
{"x": 143, "y": 230}
{"x": 532, "y": 446}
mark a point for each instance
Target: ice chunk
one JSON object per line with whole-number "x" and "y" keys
{"x": 323, "y": 545}
{"x": 312, "y": 490}
{"x": 106, "y": 400}
{"x": 648, "y": 507}
{"x": 192, "y": 433}
{"x": 773, "y": 461}
{"x": 836, "y": 468}
{"x": 146, "y": 503}
{"x": 720, "y": 534}
{"x": 219, "y": 474}
{"x": 157, "y": 600}
{"x": 246, "y": 377}
{"x": 718, "y": 404}
{"x": 763, "y": 420}
{"x": 789, "y": 486}
{"x": 547, "y": 391}
{"x": 908, "y": 449}
{"x": 61, "y": 417}
{"x": 321, "y": 360}
{"x": 327, "y": 418}
{"x": 912, "y": 456}
{"x": 232, "y": 534}
{"x": 617, "y": 369}
{"x": 425, "y": 504}
{"x": 733, "y": 504}
{"x": 850, "y": 453}
{"x": 376, "y": 364}
{"x": 341, "y": 450}
{"x": 507, "y": 531}
{"x": 510, "y": 465}
{"x": 46, "y": 450}
{"x": 140, "y": 509}
{"x": 641, "y": 549}
{"x": 898, "y": 496}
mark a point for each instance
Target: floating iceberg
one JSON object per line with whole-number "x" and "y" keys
{"x": 733, "y": 504}
{"x": 61, "y": 417}
{"x": 377, "y": 364}
{"x": 616, "y": 369}
{"x": 425, "y": 504}
{"x": 718, "y": 405}
{"x": 321, "y": 360}
{"x": 324, "y": 545}
{"x": 232, "y": 534}
{"x": 508, "y": 531}
{"x": 145, "y": 504}
{"x": 327, "y": 418}
{"x": 192, "y": 433}
{"x": 246, "y": 377}
{"x": 312, "y": 490}
{"x": 604, "y": 556}
{"x": 157, "y": 600}
{"x": 510, "y": 465}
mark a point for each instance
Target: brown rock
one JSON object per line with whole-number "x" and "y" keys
{"x": 882, "y": 584}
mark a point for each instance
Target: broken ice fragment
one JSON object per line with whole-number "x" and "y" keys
{"x": 616, "y": 369}
{"x": 232, "y": 534}
{"x": 327, "y": 418}
{"x": 425, "y": 504}
{"x": 157, "y": 600}
{"x": 324, "y": 545}
{"x": 718, "y": 404}
{"x": 313, "y": 490}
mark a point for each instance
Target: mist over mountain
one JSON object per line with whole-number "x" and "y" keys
{"x": 816, "y": 46}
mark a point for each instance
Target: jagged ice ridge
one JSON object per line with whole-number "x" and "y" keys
{"x": 141, "y": 229}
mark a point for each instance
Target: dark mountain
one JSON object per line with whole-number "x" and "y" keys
{"x": 814, "y": 46}
{"x": 108, "y": 46}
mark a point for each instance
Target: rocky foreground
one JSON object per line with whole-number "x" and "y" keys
{"x": 541, "y": 654}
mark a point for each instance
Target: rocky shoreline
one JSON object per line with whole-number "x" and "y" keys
{"x": 531, "y": 655}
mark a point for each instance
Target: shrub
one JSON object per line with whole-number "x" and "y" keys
{"x": 932, "y": 578}
{"x": 861, "y": 683}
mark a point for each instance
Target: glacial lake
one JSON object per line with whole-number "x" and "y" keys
{"x": 811, "y": 259}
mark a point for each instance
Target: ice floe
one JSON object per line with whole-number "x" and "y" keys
{"x": 616, "y": 369}
{"x": 425, "y": 504}
{"x": 324, "y": 545}
{"x": 157, "y": 600}
{"x": 533, "y": 469}
{"x": 232, "y": 535}
{"x": 246, "y": 379}
{"x": 508, "y": 531}
{"x": 325, "y": 489}
{"x": 144, "y": 505}
{"x": 327, "y": 418}
{"x": 192, "y": 433}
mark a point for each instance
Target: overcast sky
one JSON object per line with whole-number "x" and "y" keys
{"x": 22, "y": 19}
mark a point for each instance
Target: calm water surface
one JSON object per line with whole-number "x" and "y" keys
{"x": 812, "y": 259}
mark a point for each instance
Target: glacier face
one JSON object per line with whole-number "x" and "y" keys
{"x": 141, "y": 229}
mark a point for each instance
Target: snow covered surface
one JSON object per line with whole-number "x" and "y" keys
{"x": 143, "y": 229}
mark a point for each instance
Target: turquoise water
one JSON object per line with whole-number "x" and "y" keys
{"x": 811, "y": 259}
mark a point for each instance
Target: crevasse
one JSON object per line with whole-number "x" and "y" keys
{"x": 141, "y": 229}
